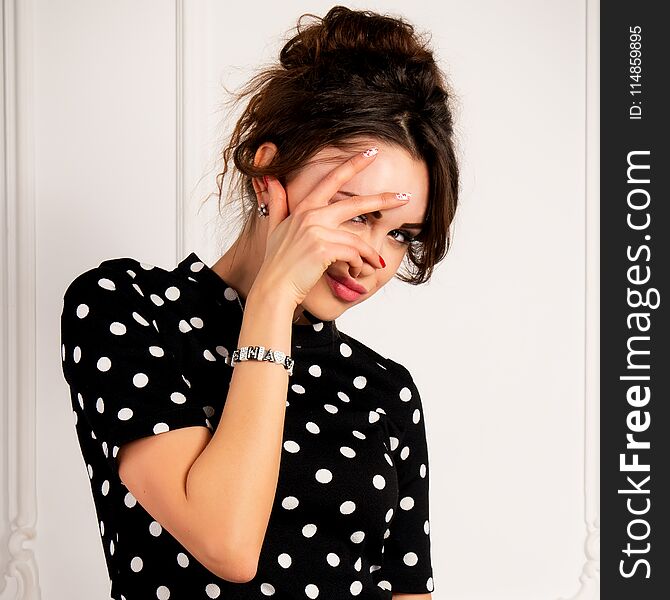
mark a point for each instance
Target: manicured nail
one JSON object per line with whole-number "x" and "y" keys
{"x": 370, "y": 152}
{"x": 381, "y": 260}
{"x": 403, "y": 196}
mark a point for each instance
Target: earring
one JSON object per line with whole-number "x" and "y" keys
{"x": 263, "y": 210}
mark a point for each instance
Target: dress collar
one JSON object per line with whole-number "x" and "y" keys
{"x": 317, "y": 333}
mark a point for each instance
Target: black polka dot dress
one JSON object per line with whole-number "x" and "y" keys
{"x": 143, "y": 352}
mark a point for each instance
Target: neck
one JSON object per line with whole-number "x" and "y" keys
{"x": 240, "y": 264}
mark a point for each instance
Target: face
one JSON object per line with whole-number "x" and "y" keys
{"x": 387, "y": 231}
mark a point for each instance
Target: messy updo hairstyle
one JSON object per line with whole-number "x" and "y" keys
{"x": 349, "y": 75}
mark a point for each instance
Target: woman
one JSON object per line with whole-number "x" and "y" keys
{"x": 299, "y": 469}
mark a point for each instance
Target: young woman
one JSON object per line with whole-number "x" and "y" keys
{"x": 239, "y": 445}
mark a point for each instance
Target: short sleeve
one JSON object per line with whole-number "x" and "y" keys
{"x": 407, "y": 563}
{"x": 124, "y": 381}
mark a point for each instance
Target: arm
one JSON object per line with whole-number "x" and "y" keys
{"x": 214, "y": 493}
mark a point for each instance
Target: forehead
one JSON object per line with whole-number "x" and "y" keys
{"x": 393, "y": 170}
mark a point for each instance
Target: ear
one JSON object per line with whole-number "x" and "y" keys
{"x": 263, "y": 157}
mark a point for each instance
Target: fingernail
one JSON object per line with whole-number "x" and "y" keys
{"x": 381, "y": 260}
{"x": 370, "y": 152}
{"x": 265, "y": 179}
{"x": 403, "y": 196}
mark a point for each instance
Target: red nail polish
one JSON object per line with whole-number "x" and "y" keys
{"x": 381, "y": 260}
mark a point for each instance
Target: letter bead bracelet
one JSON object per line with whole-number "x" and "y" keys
{"x": 260, "y": 353}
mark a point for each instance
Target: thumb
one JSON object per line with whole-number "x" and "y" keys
{"x": 277, "y": 203}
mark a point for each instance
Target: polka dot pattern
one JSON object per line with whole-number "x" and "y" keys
{"x": 143, "y": 352}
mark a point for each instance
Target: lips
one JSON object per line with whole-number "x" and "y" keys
{"x": 349, "y": 282}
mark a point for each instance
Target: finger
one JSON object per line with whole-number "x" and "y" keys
{"x": 276, "y": 200}
{"x": 333, "y": 180}
{"x": 343, "y": 210}
{"x": 362, "y": 248}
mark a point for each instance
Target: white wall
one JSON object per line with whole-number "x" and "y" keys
{"x": 124, "y": 114}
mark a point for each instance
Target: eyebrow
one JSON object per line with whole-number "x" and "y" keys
{"x": 377, "y": 213}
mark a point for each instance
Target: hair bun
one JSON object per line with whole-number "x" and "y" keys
{"x": 342, "y": 35}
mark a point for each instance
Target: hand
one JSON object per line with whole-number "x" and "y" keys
{"x": 300, "y": 246}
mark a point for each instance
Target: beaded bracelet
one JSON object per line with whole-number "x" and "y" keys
{"x": 260, "y": 353}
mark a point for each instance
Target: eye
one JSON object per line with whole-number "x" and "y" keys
{"x": 406, "y": 240}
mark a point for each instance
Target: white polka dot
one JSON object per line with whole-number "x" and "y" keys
{"x": 291, "y": 446}
{"x": 309, "y": 530}
{"x": 100, "y": 405}
{"x": 426, "y": 527}
{"x": 117, "y": 328}
{"x": 162, "y": 592}
{"x": 333, "y": 559}
{"x": 297, "y": 388}
{"x": 140, "y": 380}
{"x": 197, "y": 266}
{"x": 331, "y": 408}
{"x": 230, "y": 294}
{"x": 104, "y": 449}
{"x": 358, "y": 434}
{"x": 82, "y": 310}
{"x": 311, "y": 591}
{"x": 389, "y": 515}
{"x": 157, "y": 300}
{"x": 129, "y": 500}
{"x": 410, "y": 559}
{"x": 106, "y": 284}
{"x": 312, "y": 427}
{"x": 407, "y": 503}
{"x": 125, "y": 414}
{"x": 172, "y": 293}
{"x": 102, "y": 528}
{"x": 394, "y": 442}
{"x": 405, "y": 394}
{"x": 196, "y": 322}
{"x": 182, "y": 560}
{"x": 104, "y": 364}
{"x": 140, "y": 319}
{"x": 212, "y": 590}
{"x": 178, "y": 398}
{"x": 323, "y": 476}
{"x": 345, "y": 349}
{"x": 290, "y": 502}
{"x": 422, "y": 470}
{"x": 385, "y": 585}
{"x": 75, "y": 416}
{"x": 346, "y": 508}
{"x": 284, "y": 560}
{"x": 357, "y": 537}
{"x": 348, "y": 452}
{"x": 373, "y": 416}
{"x": 155, "y": 528}
{"x": 388, "y": 458}
{"x": 62, "y": 351}
{"x": 379, "y": 482}
{"x": 156, "y": 351}
{"x": 360, "y": 381}
{"x": 208, "y": 410}
{"x": 136, "y": 564}
{"x": 355, "y": 588}
{"x": 315, "y": 371}
{"x": 139, "y": 289}
{"x": 404, "y": 453}
{"x": 209, "y": 356}
{"x": 429, "y": 584}
{"x": 161, "y": 428}
{"x": 184, "y": 326}
{"x": 146, "y": 266}
{"x": 416, "y": 415}
{"x": 267, "y": 589}
{"x": 105, "y": 487}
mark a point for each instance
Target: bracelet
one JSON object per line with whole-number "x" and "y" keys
{"x": 260, "y": 353}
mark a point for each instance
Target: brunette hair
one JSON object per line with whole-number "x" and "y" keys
{"x": 348, "y": 75}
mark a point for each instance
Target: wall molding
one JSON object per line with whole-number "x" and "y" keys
{"x": 18, "y": 361}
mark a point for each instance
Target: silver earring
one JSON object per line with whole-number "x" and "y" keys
{"x": 263, "y": 210}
